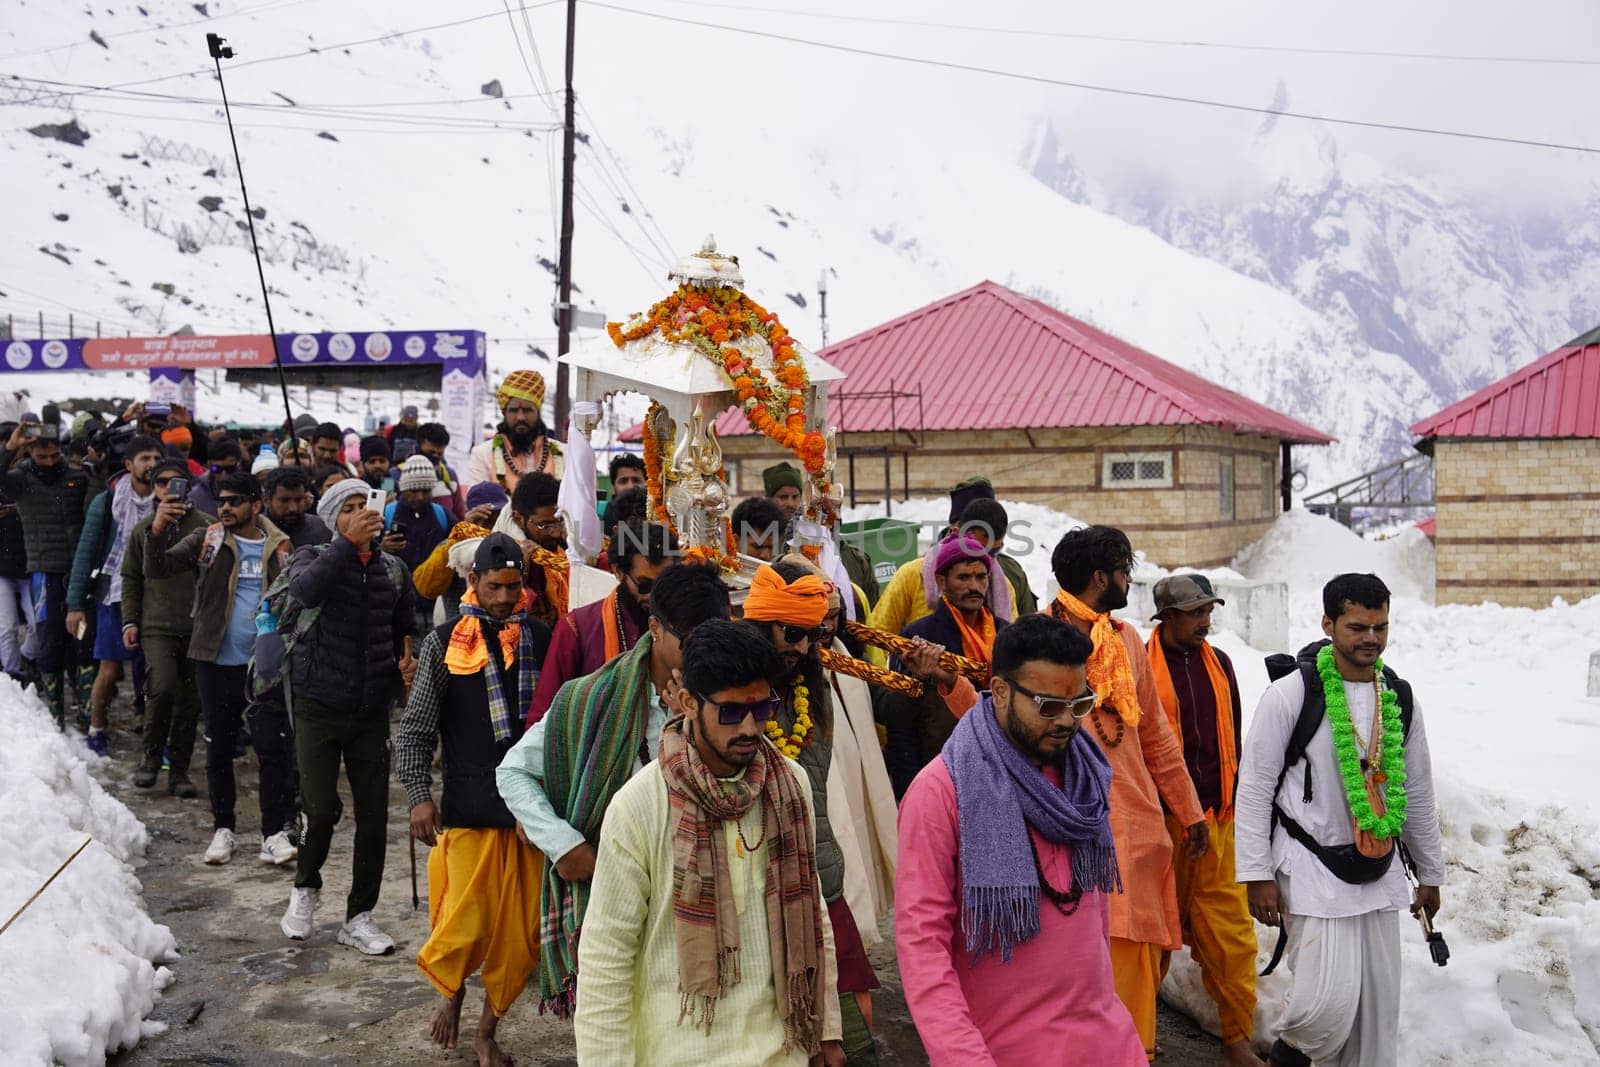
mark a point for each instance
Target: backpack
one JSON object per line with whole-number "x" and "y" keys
{"x": 281, "y": 621}
{"x": 1343, "y": 860}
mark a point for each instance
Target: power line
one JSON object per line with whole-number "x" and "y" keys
{"x": 411, "y": 128}
{"x": 1157, "y": 41}
{"x": 665, "y": 245}
{"x": 143, "y": 94}
{"x": 1143, "y": 94}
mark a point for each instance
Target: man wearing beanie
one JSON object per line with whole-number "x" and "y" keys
{"x": 421, "y": 523}
{"x": 347, "y": 667}
{"x": 523, "y": 444}
{"x": 265, "y": 463}
{"x": 375, "y": 462}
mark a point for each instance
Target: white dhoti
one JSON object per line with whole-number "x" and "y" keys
{"x": 1343, "y": 1006}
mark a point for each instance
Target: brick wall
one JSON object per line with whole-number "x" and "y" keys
{"x": 1518, "y": 520}
{"x": 1064, "y": 469}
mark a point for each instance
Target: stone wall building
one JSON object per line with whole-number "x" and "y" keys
{"x": 1517, "y": 484}
{"x": 1052, "y": 411}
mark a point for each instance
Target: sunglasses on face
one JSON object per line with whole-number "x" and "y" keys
{"x": 1055, "y": 707}
{"x": 218, "y": 468}
{"x": 642, "y": 585}
{"x": 232, "y": 501}
{"x": 733, "y": 713}
{"x": 795, "y": 634}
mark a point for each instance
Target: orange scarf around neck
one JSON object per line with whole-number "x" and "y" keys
{"x": 1110, "y": 672}
{"x": 1226, "y": 756}
{"x": 976, "y": 642}
{"x": 468, "y": 653}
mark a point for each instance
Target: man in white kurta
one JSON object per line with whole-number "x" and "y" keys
{"x": 1344, "y": 939}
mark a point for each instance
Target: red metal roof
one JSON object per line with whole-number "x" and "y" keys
{"x": 1557, "y": 395}
{"x": 1040, "y": 368}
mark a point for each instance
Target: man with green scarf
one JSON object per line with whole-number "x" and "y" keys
{"x": 600, "y": 730}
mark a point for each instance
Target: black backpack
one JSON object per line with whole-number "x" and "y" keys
{"x": 1343, "y": 860}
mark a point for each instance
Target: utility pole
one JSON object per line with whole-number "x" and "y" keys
{"x": 564, "y": 286}
{"x": 822, "y": 298}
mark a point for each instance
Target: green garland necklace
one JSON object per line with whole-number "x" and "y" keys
{"x": 1393, "y": 760}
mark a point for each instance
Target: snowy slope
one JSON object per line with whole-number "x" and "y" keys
{"x": 450, "y": 223}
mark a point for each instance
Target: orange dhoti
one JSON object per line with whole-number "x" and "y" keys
{"x": 1218, "y": 928}
{"x": 1136, "y": 973}
{"x": 483, "y": 903}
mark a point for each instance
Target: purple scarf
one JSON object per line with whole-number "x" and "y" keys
{"x": 999, "y": 794}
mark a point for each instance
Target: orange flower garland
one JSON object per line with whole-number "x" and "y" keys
{"x": 712, "y": 320}
{"x": 652, "y": 470}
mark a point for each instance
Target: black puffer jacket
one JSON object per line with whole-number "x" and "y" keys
{"x": 51, "y": 503}
{"x": 346, "y": 661}
{"x": 13, "y": 551}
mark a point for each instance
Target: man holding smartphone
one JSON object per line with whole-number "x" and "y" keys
{"x": 49, "y": 498}
{"x": 347, "y": 667}
{"x": 235, "y": 559}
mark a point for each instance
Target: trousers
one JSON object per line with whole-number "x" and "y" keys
{"x": 1217, "y": 927}
{"x": 172, "y": 708}
{"x": 224, "y": 695}
{"x": 1136, "y": 972}
{"x": 322, "y": 737}
{"x": 1343, "y": 1007}
{"x": 16, "y": 600}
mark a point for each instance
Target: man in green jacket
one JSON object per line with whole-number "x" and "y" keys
{"x": 156, "y": 620}
{"x": 95, "y": 584}
{"x": 235, "y": 560}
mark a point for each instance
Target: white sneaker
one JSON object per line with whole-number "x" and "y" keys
{"x": 278, "y": 849}
{"x": 221, "y": 850}
{"x": 296, "y": 922}
{"x": 363, "y": 934}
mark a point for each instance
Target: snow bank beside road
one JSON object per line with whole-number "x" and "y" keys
{"x": 80, "y": 969}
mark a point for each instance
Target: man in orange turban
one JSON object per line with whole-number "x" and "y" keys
{"x": 523, "y": 443}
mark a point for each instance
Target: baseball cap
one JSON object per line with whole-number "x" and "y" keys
{"x": 496, "y": 552}
{"x": 1185, "y": 592}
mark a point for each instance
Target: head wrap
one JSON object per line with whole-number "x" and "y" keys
{"x": 266, "y": 460}
{"x": 486, "y": 493}
{"x": 771, "y": 599}
{"x": 521, "y": 385}
{"x": 961, "y": 549}
{"x": 778, "y": 476}
{"x": 374, "y": 446}
{"x": 416, "y": 473}
{"x": 177, "y": 435}
{"x": 934, "y": 562}
{"x": 965, "y": 492}
{"x": 328, "y": 507}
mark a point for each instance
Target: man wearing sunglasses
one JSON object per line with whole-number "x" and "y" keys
{"x": 1093, "y": 566}
{"x": 235, "y": 559}
{"x": 1008, "y": 870}
{"x": 1200, "y": 696}
{"x": 157, "y": 619}
{"x": 963, "y": 621}
{"x": 708, "y": 941}
{"x": 226, "y": 458}
{"x": 601, "y": 729}
{"x": 589, "y": 637}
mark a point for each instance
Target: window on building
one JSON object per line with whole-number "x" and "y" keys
{"x": 1136, "y": 470}
{"x": 1269, "y": 487}
{"x": 732, "y": 467}
{"x": 1225, "y": 508}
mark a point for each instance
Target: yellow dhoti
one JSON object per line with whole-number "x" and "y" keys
{"x": 483, "y": 903}
{"x": 1218, "y": 928}
{"x": 1136, "y": 973}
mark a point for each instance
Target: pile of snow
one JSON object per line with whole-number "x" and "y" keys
{"x": 80, "y": 969}
{"x": 1502, "y": 692}
{"x": 1030, "y": 538}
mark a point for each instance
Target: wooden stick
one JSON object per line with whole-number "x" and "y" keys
{"x": 903, "y": 647}
{"x": 870, "y": 673}
{"x": 47, "y": 881}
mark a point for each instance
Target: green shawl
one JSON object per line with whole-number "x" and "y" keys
{"x": 593, "y": 733}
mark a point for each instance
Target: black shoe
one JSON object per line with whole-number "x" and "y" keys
{"x": 1287, "y": 1056}
{"x": 149, "y": 770}
{"x": 178, "y": 785}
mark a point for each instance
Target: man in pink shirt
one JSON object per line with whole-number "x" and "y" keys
{"x": 1006, "y": 861}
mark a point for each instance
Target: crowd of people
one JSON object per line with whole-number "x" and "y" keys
{"x": 685, "y": 819}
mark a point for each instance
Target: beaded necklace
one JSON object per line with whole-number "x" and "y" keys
{"x": 1109, "y": 742}
{"x": 1066, "y": 902}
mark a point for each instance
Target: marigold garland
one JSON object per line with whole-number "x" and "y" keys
{"x": 713, "y": 321}
{"x": 792, "y": 742}
{"x": 652, "y": 469}
{"x": 1392, "y": 776}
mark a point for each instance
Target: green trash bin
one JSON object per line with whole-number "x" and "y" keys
{"x": 887, "y": 542}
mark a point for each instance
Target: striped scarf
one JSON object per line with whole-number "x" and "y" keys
{"x": 594, "y": 732}
{"x": 468, "y": 653}
{"x": 705, "y": 919}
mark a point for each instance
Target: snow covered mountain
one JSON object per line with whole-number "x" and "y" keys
{"x": 1464, "y": 293}
{"x": 406, "y": 178}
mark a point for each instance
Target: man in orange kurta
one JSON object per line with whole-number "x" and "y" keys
{"x": 1093, "y": 566}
